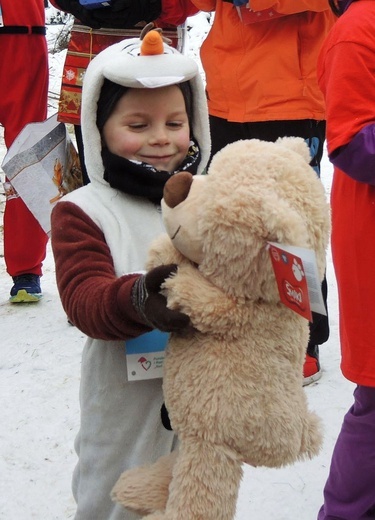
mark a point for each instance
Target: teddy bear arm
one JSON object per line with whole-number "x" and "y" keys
{"x": 162, "y": 252}
{"x": 209, "y": 308}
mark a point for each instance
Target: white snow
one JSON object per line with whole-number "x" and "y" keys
{"x": 39, "y": 383}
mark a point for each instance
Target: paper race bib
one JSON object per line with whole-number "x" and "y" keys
{"x": 145, "y": 355}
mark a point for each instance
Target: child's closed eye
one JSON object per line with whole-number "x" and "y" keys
{"x": 175, "y": 124}
{"x": 137, "y": 126}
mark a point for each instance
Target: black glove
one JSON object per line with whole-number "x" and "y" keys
{"x": 86, "y": 16}
{"x": 121, "y": 14}
{"x": 151, "y": 305}
{"x": 125, "y": 14}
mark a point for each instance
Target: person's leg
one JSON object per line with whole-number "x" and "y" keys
{"x": 23, "y": 100}
{"x": 313, "y": 132}
{"x": 349, "y": 493}
{"x": 224, "y": 132}
{"x": 120, "y": 429}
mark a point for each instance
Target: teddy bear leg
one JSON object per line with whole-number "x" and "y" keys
{"x": 205, "y": 483}
{"x": 144, "y": 490}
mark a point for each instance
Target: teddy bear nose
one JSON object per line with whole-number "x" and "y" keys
{"x": 177, "y": 188}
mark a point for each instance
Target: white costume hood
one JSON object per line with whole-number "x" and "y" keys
{"x": 126, "y": 63}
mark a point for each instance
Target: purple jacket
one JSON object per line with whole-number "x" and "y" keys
{"x": 357, "y": 158}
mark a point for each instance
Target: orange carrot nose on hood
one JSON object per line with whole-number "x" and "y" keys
{"x": 152, "y": 44}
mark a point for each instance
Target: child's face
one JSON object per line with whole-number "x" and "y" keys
{"x": 151, "y": 126}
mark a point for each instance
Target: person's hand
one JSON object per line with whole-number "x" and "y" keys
{"x": 151, "y": 305}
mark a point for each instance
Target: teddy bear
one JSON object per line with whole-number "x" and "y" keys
{"x": 232, "y": 383}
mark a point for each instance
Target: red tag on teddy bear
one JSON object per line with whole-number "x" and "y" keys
{"x": 297, "y": 277}
{"x": 291, "y": 280}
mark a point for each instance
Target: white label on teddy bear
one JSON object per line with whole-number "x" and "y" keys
{"x": 297, "y": 277}
{"x": 145, "y": 355}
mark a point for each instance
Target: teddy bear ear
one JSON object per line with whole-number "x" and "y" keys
{"x": 296, "y": 144}
{"x": 283, "y": 223}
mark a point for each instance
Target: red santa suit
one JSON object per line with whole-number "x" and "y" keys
{"x": 23, "y": 99}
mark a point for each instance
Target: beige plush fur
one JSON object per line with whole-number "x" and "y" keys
{"x": 233, "y": 386}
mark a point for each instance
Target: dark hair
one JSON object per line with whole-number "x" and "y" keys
{"x": 185, "y": 88}
{"x": 111, "y": 93}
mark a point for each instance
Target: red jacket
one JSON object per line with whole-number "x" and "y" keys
{"x": 175, "y": 12}
{"x": 21, "y": 12}
{"x": 346, "y": 76}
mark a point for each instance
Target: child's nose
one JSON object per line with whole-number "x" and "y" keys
{"x": 160, "y": 135}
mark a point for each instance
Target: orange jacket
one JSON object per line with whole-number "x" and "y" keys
{"x": 265, "y": 70}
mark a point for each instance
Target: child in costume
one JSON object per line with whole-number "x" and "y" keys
{"x": 144, "y": 117}
{"x": 346, "y": 76}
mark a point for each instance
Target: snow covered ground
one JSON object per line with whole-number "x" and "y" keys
{"x": 39, "y": 381}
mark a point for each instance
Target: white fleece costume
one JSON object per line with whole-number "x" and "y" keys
{"x": 100, "y": 234}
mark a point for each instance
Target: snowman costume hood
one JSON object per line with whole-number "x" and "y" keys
{"x": 127, "y": 64}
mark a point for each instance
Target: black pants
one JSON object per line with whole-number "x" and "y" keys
{"x": 224, "y": 132}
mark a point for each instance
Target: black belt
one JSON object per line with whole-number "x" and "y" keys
{"x": 22, "y": 29}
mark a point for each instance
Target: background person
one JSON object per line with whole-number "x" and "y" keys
{"x": 23, "y": 100}
{"x": 346, "y": 75}
{"x": 261, "y": 83}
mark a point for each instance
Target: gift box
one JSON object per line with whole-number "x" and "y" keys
{"x": 42, "y": 165}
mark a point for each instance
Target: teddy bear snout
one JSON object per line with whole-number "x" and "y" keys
{"x": 177, "y": 188}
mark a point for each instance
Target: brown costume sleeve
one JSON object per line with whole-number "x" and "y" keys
{"x": 95, "y": 300}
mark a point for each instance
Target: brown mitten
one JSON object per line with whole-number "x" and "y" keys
{"x": 151, "y": 305}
